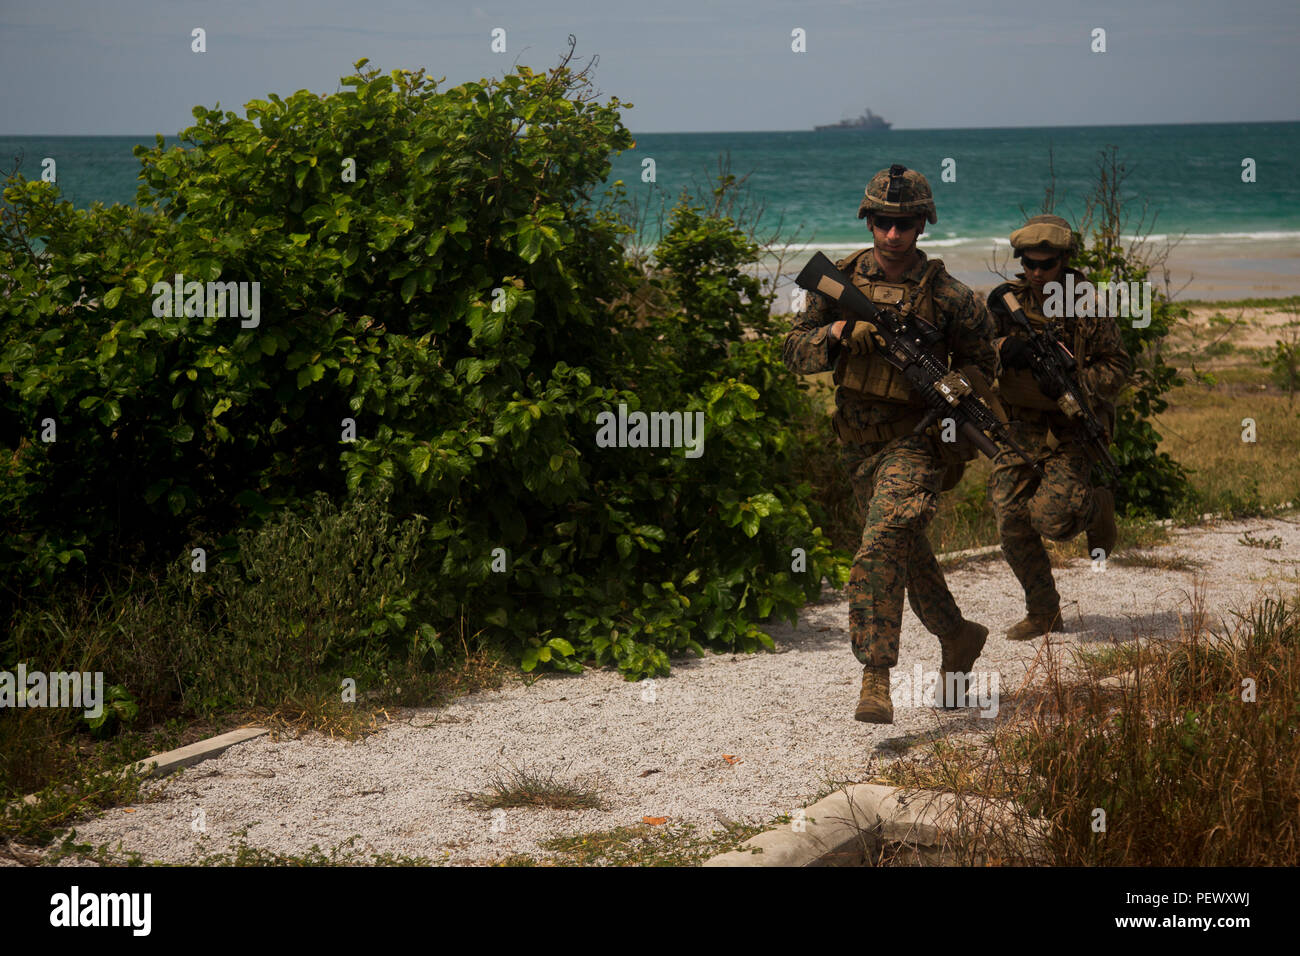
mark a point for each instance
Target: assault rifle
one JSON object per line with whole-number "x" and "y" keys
{"x": 908, "y": 347}
{"x": 1054, "y": 365}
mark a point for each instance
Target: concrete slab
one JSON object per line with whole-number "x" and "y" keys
{"x": 848, "y": 828}
{"x": 172, "y": 760}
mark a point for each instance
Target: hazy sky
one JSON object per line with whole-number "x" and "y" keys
{"x": 125, "y": 66}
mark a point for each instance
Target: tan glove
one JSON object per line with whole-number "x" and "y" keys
{"x": 863, "y": 338}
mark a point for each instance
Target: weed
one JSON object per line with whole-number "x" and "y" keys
{"x": 669, "y": 844}
{"x": 1157, "y": 560}
{"x": 1268, "y": 544}
{"x": 521, "y": 787}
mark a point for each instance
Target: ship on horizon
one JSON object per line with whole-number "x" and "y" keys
{"x": 867, "y": 120}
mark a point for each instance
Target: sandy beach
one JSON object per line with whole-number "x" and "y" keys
{"x": 1194, "y": 268}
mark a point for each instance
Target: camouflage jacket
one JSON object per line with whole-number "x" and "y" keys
{"x": 1104, "y": 365}
{"x": 960, "y": 315}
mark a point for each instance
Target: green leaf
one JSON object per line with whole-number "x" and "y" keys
{"x": 112, "y": 297}
{"x": 420, "y": 458}
{"x": 529, "y": 243}
{"x": 110, "y": 411}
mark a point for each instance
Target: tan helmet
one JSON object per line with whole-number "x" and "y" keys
{"x": 1043, "y": 233}
{"x": 898, "y": 191}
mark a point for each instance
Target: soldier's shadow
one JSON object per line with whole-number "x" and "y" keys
{"x": 1104, "y": 628}
{"x": 954, "y": 722}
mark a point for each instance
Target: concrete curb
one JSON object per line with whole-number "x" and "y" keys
{"x": 969, "y": 553}
{"x": 1218, "y": 516}
{"x": 850, "y": 827}
{"x": 160, "y": 765}
{"x": 1162, "y": 523}
{"x": 1118, "y": 681}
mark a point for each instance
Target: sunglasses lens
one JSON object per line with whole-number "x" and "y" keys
{"x": 884, "y": 224}
{"x": 1039, "y": 265}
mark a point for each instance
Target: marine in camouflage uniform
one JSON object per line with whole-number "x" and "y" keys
{"x": 897, "y": 476}
{"x": 1064, "y": 502}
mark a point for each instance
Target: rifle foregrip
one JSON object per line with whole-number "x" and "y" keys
{"x": 979, "y": 440}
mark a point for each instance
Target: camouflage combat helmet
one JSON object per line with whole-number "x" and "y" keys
{"x": 1043, "y": 233}
{"x": 898, "y": 191}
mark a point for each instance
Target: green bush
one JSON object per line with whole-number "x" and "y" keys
{"x": 1283, "y": 358}
{"x": 1151, "y": 483}
{"x": 321, "y": 595}
{"x": 307, "y": 599}
{"x": 468, "y": 305}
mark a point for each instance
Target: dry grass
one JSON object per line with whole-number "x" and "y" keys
{"x": 953, "y": 766}
{"x": 1203, "y": 430}
{"x": 1193, "y": 760}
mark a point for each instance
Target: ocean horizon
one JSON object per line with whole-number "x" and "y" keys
{"x": 1184, "y": 183}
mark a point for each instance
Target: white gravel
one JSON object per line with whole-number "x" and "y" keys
{"x": 786, "y": 719}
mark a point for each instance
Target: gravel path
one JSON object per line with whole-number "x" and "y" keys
{"x": 784, "y": 719}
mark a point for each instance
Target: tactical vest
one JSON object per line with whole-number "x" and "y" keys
{"x": 870, "y": 376}
{"x": 1017, "y": 387}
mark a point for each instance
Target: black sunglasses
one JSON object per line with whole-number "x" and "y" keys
{"x": 1039, "y": 265}
{"x": 883, "y": 223}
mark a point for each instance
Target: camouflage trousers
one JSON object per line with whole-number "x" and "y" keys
{"x": 897, "y": 488}
{"x": 1058, "y": 506}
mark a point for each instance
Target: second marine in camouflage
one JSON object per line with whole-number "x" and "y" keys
{"x": 1064, "y": 502}
{"x": 897, "y": 476}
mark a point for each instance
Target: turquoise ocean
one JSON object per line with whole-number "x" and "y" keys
{"x": 1189, "y": 177}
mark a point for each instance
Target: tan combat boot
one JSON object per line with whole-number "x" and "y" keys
{"x": 1101, "y": 530}
{"x": 960, "y": 649}
{"x": 874, "y": 705}
{"x": 1035, "y": 625}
